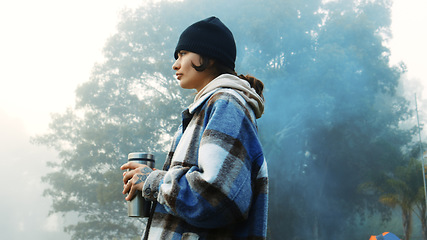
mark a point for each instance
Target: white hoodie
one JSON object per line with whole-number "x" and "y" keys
{"x": 241, "y": 86}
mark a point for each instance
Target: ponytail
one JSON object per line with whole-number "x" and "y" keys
{"x": 219, "y": 68}
{"x": 255, "y": 83}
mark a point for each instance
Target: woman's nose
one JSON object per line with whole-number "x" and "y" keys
{"x": 175, "y": 66}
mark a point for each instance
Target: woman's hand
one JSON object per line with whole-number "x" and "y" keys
{"x": 135, "y": 178}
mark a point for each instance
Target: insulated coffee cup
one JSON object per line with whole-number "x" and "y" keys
{"x": 138, "y": 206}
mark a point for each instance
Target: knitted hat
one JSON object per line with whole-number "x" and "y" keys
{"x": 209, "y": 38}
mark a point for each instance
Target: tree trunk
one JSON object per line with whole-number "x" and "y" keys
{"x": 407, "y": 223}
{"x": 424, "y": 227}
{"x": 423, "y": 218}
{"x": 316, "y": 228}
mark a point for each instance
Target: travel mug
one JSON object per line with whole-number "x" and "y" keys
{"x": 138, "y": 206}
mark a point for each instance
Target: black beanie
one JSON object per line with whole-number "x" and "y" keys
{"x": 209, "y": 38}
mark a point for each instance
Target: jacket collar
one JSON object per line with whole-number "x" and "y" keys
{"x": 192, "y": 108}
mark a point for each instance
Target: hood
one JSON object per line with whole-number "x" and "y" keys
{"x": 240, "y": 86}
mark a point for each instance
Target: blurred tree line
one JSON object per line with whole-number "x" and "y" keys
{"x": 332, "y": 121}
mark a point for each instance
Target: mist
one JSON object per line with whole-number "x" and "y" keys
{"x": 24, "y": 209}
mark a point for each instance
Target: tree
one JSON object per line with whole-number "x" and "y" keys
{"x": 117, "y": 112}
{"x": 340, "y": 121}
{"x": 403, "y": 189}
{"x": 332, "y": 110}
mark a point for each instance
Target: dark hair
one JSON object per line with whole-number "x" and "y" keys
{"x": 219, "y": 68}
{"x": 204, "y": 64}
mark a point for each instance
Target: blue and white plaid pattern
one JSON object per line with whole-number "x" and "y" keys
{"x": 216, "y": 183}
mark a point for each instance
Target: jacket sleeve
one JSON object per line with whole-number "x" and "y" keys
{"x": 217, "y": 190}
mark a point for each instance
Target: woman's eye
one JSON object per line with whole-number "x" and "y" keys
{"x": 182, "y": 53}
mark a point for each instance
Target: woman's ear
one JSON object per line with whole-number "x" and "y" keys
{"x": 212, "y": 68}
{"x": 211, "y": 62}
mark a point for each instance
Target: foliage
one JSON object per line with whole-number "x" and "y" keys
{"x": 332, "y": 114}
{"x": 338, "y": 125}
{"x": 404, "y": 189}
{"x": 129, "y": 104}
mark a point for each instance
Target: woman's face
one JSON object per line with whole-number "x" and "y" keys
{"x": 188, "y": 76}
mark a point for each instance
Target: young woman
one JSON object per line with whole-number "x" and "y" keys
{"x": 214, "y": 184}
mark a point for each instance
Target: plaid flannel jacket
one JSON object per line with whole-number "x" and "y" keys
{"x": 215, "y": 185}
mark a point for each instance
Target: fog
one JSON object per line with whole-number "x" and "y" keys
{"x": 47, "y": 49}
{"x": 25, "y": 212}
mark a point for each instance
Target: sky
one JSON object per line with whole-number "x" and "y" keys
{"x": 409, "y": 45}
{"x": 48, "y": 48}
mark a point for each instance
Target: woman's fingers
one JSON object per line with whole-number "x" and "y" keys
{"x": 134, "y": 169}
{"x": 127, "y": 176}
{"x": 134, "y": 178}
{"x": 129, "y": 188}
{"x": 131, "y": 165}
{"x": 124, "y": 166}
{"x": 126, "y": 187}
{"x": 131, "y": 193}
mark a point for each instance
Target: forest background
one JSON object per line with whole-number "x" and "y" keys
{"x": 339, "y": 118}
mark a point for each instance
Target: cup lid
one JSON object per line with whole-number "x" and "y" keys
{"x": 140, "y": 155}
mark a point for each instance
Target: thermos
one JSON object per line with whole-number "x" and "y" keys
{"x": 138, "y": 206}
